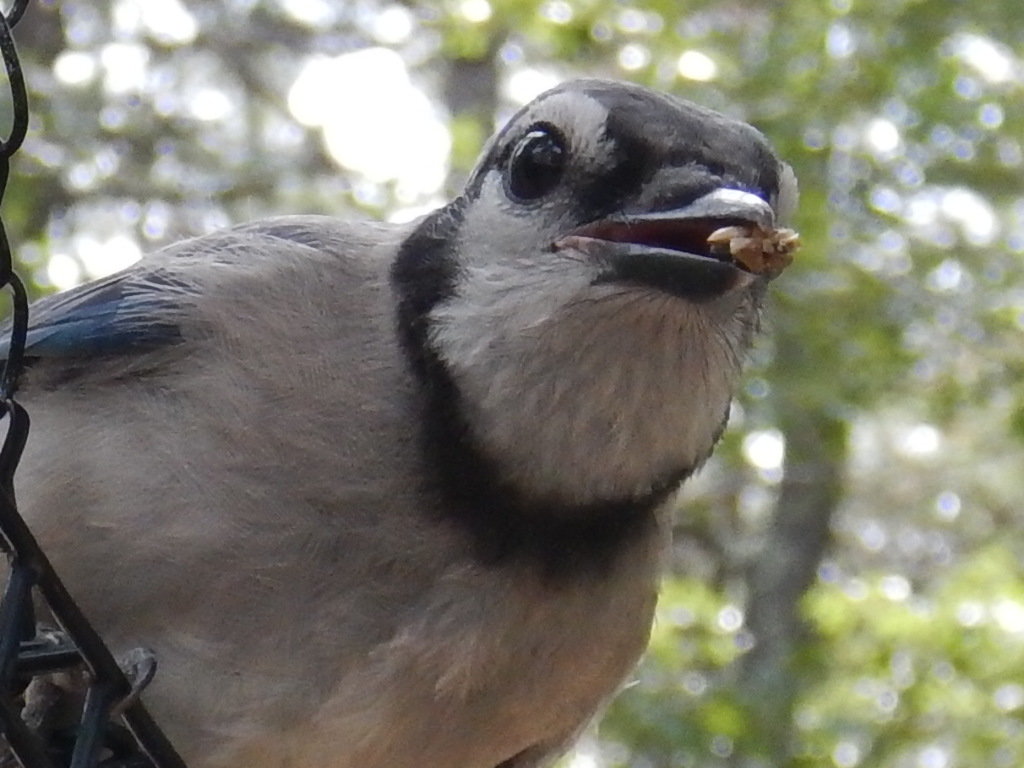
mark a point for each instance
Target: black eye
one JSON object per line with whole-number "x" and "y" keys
{"x": 536, "y": 164}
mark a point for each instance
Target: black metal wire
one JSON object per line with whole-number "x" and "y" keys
{"x": 22, "y": 654}
{"x": 14, "y": 15}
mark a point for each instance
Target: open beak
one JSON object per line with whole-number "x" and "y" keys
{"x": 692, "y": 251}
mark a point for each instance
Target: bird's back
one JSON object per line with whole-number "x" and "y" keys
{"x": 195, "y": 495}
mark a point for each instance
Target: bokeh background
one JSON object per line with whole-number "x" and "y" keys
{"x": 846, "y": 587}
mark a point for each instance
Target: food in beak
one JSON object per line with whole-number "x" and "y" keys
{"x": 761, "y": 251}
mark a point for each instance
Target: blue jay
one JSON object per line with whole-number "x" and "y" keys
{"x": 387, "y": 496}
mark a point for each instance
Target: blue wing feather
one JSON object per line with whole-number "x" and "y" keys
{"x": 125, "y": 312}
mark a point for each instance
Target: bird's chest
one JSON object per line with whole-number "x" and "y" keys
{"x": 527, "y": 661}
{"x": 492, "y": 664}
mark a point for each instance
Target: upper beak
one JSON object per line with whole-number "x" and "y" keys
{"x": 722, "y": 207}
{"x": 671, "y": 249}
{"x": 685, "y": 231}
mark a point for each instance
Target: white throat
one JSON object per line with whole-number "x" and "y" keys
{"x": 591, "y": 393}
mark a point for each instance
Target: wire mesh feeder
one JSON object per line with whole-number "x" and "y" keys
{"x": 45, "y": 672}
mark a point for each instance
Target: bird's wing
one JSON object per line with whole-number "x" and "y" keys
{"x": 147, "y": 305}
{"x": 131, "y": 310}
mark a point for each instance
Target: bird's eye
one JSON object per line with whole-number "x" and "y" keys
{"x": 536, "y": 164}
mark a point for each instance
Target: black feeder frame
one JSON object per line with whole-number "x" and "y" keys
{"x": 114, "y": 729}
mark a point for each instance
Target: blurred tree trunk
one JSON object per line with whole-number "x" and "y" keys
{"x": 471, "y": 87}
{"x": 39, "y": 38}
{"x": 786, "y": 566}
{"x": 470, "y": 93}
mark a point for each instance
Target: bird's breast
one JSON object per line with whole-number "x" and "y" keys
{"x": 492, "y": 662}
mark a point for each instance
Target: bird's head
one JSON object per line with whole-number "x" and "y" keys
{"x": 577, "y": 296}
{"x": 633, "y": 181}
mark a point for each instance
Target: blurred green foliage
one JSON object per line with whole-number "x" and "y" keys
{"x": 859, "y": 602}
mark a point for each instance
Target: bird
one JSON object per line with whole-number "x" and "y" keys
{"x": 393, "y": 495}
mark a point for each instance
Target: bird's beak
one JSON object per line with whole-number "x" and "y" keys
{"x": 720, "y": 241}
{"x": 723, "y": 205}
